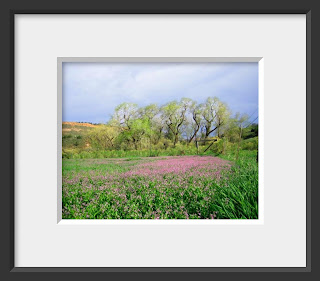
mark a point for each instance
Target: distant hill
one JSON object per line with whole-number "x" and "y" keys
{"x": 73, "y": 134}
{"x": 78, "y": 124}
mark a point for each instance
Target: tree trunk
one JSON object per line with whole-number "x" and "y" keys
{"x": 209, "y": 132}
{"x": 225, "y": 140}
{"x": 175, "y": 139}
{"x": 150, "y": 147}
{"x": 237, "y": 157}
{"x": 194, "y": 134}
{"x": 197, "y": 146}
{"x": 135, "y": 143}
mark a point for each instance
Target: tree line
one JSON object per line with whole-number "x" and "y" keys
{"x": 184, "y": 121}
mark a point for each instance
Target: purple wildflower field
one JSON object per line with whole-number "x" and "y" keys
{"x": 184, "y": 167}
{"x": 180, "y": 187}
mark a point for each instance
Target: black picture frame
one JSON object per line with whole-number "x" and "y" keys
{"x": 8, "y": 268}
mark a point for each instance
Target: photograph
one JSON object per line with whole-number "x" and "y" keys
{"x": 160, "y": 140}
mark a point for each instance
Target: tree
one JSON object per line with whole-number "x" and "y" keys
{"x": 229, "y": 132}
{"x": 149, "y": 111}
{"x": 158, "y": 125}
{"x": 241, "y": 121}
{"x": 174, "y": 114}
{"x": 124, "y": 114}
{"x": 142, "y": 127}
{"x": 126, "y": 117}
{"x": 196, "y": 111}
{"x": 153, "y": 115}
{"x": 187, "y": 128}
{"x": 215, "y": 113}
{"x": 138, "y": 129}
{"x": 250, "y": 131}
{"x": 103, "y": 137}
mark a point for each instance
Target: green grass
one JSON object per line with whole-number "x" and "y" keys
{"x": 93, "y": 154}
{"x": 240, "y": 187}
{"x": 234, "y": 196}
{"x": 71, "y": 167}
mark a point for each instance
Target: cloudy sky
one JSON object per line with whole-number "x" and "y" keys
{"x": 91, "y": 91}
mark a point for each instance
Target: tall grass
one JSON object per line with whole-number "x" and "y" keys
{"x": 233, "y": 196}
{"x": 89, "y": 154}
{"x": 239, "y": 187}
{"x": 227, "y": 152}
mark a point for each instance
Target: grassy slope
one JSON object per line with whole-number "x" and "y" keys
{"x": 73, "y": 134}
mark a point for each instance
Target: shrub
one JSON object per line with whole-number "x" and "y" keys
{"x": 217, "y": 146}
{"x": 163, "y": 144}
{"x": 250, "y": 144}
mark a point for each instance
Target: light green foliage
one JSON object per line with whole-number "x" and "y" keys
{"x": 215, "y": 115}
{"x": 251, "y": 131}
{"x": 103, "y": 137}
{"x": 150, "y": 111}
{"x": 250, "y": 144}
{"x": 172, "y": 129}
{"x": 174, "y": 114}
{"x": 124, "y": 114}
{"x": 138, "y": 130}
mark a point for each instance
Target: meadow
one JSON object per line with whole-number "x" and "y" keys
{"x": 182, "y": 160}
{"x": 167, "y": 187}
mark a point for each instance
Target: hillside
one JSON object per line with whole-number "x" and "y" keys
{"x": 76, "y": 126}
{"x": 73, "y": 134}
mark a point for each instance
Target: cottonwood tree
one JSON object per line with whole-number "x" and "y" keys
{"x": 222, "y": 116}
{"x": 149, "y": 111}
{"x": 103, "y": 137}
{"x": 127, "y": 117}
{"x": 124, "y": 114}
{"x": 152, "y": 114}
{"x": 215, "y": 113}
{"x": 196, "y": 112}
{"x": 241, "y": 123}
{"x": 187, "y": 128}
{"x": 229, "y": 132}
{"x": 139, "y": 128}
{"x": 158, "y": 125}
{"x": 174, "y": 114}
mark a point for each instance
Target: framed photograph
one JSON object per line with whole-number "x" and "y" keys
{"x": 160, "y": 141}
{"x": 160, "y": 138}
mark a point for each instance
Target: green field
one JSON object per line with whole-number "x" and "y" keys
{"x": 168, "y": 187}
{"x": 181, "y": 160}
